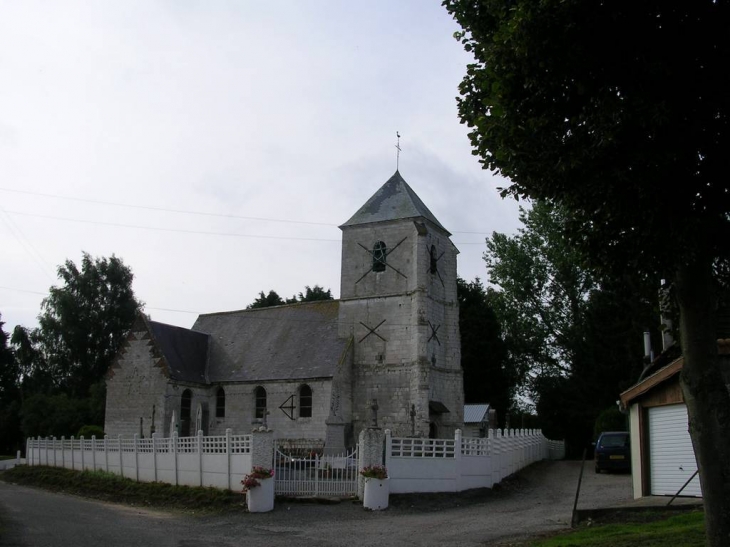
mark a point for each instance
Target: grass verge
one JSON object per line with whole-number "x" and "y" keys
{"x": 685, "y": 530}
{"x": 109, "y": 487}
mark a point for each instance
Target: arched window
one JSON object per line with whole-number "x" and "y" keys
{"x": 305, "y": 401}
{"x": 260, "y": 395}
{"x": 185, "y": 405}
{"x": 380, "y": 251}
{"x": 220, "y": 403}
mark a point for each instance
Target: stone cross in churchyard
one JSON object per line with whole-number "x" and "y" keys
{"x": 413, "y": 420}
{"x": 374, "y": 409}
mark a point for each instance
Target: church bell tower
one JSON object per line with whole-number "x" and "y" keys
{"x": 398, "y": 305}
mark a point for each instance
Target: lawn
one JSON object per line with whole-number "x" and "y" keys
{"x": 109, "y": 487}
{"x": 684, "y": 530}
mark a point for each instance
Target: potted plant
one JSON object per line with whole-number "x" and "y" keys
{"x": 377, "y": 488}
{"x": 259, "y": 488}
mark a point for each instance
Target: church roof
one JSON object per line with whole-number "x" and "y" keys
{"x": 394, "y": 200}
{"x": 184, "y": 350}
{"x": 290, "y": 342}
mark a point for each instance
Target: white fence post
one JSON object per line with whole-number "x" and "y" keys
{"x": 228, "y": 456}
{"x": 93, "y": 452}
{"x": 174, "y": 449}
{"x": 106, "y": 454}
{"x": 200, "y": 456}
{"x": 136, "y": 458}
{"x": 54, "y": 452}
{"x": 40, "y": 461}
{"x": 28, "y": 455}
{"x": 154, "y": 453}
{"x": 73, "y": 462}
{"x": 81, "y": 445}
{"x": 121, "y": 458}
{"x": 388, "y": 447}
{"x": 457, "y": 459}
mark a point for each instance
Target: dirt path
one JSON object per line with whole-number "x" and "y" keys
{"x": 537, "y": 500}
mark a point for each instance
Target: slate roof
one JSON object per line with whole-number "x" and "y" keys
{"x": 474, "y": 414}
{"x": 393, "y": 201}
{"x": 277, "y": 343}
{"x": 184, "y": 350}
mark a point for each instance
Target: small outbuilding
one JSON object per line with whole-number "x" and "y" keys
{"x": 662, "y": 457}
{"x": 478, "y": 420}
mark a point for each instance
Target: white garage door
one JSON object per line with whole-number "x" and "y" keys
{"x": 670, "y": 451}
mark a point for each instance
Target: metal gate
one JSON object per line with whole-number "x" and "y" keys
{"x": 316, "y": 475}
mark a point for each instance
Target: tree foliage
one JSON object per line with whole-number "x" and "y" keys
{"x": 544, "y": 290}
{"x": 10, "y": 437}
{"x": 632, "y": 139}
{"x": 62, "y": 363}
{"x": 266, "y": 301}
{"x": 310, "y": 294}
{"x": 84, "y": 322}
{"x": 488, "y": 377}
{"x": 572, "y": 336}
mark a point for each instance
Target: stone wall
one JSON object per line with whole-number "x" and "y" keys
{"x": 136, "y": 384}
{"x": 241, "y": 406}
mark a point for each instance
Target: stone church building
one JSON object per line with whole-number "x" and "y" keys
{"x": 388, "y": 349}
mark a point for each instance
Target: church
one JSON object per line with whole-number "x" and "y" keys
{"x": 388, "y": 350}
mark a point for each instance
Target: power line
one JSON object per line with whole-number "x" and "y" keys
{"x": 198, "y": 232}
{"x": 18, "y": 234}
{"x": 186, "y": 211}
{"x": 163, "y": 209}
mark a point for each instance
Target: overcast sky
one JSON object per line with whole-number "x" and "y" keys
{"x": 120, "y": 120}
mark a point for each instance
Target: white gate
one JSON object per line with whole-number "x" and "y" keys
{"x": 316, "y": 475}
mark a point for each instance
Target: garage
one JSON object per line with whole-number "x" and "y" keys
{"x": 672, "y": 460}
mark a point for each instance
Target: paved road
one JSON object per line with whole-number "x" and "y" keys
{"x": 539, "y": 499}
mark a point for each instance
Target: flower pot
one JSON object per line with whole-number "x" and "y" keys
{"x": 376, "y": 494}
{"x": 261, "y": 498}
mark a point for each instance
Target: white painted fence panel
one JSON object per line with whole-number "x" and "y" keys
{"x": 220, "y": 461}
{"x": 453, "y": 465}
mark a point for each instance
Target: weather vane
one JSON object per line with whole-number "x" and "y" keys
{"x": 397, "y": 154}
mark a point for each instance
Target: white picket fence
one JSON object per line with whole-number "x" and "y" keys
{"x": 414, "y": 465}
{"x": 218, "y": 461}
{"x": 453, "y": 465}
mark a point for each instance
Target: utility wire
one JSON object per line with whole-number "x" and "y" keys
{"x": 120, "y": 225}
{"x": 185, "y": 211}
{"x": 198, "y": 232}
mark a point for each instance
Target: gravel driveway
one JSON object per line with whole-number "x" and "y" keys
{"x": 538, "y": 499}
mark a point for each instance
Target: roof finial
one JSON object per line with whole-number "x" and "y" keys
{"x": 397, "y": 154}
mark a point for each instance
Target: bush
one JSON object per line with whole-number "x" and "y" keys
{"x": 88, "y": 431}
{"x": 610, "y": 419}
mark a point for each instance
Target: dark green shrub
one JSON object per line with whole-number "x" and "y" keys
{"x": 610, "y": 419}
{"x": 88, "y": 431}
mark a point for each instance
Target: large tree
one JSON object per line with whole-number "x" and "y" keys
{"x": 488, "y": 376}
{"x": 84, "y": 321}
{"x": 573, "y": 334}
{"x": 10, "y": 437}
{"x": 62, "y": 363}
{"x": 616, "y": 110}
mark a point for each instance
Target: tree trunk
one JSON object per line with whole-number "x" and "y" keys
{"x": 706, "y": 394}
